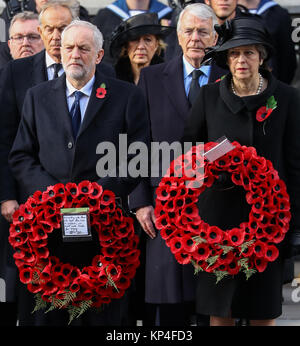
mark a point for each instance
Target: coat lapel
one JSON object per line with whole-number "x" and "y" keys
{"x": 62, "y": 112}
{"x": 39, "y": 71}
{"x": 174, "y": 86}
{"x": 216, "y": 72}
{"x": 95, "y": 103}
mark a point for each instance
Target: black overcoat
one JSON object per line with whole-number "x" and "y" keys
{"x": 44, "y": 151}
{"x": 166, "y": 280}
{"x": 218, "y": 112}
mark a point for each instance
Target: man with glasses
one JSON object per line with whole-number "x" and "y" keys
{"x": 24, "y": 39}
{"x": 16, "y": 78}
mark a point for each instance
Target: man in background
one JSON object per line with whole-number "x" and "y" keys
{"x": 24, "y": 38}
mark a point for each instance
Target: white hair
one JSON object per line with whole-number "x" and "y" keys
{"x": 200, "y": 11}
{"x": 98, "y": 37}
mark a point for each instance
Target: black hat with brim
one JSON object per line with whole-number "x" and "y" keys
{"x": 240, "y": 31}
{"x": 135, "y": 27}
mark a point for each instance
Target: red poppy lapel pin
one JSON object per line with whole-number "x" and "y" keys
{"x": 101, "y": 91}
{"x": 219, "y": 80}
{"x": 264, "y": 112}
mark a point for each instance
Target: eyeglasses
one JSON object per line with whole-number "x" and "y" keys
{"x": 30, "y": 38}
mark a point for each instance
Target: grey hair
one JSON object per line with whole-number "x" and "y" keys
{"x": 72, "y": 5}
{"x": 263, "y": 53}
{"x": 22, "y": 16}
{"x": 98, "y": 37}
{"x": 200, "y": 11}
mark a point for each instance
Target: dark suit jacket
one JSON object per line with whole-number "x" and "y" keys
{"x": 44, "y": 151}
{"x": 16, "y": 78}
{"x": 168, "y": 108}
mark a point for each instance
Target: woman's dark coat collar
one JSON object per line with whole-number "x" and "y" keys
{"x": 236, "y": 103}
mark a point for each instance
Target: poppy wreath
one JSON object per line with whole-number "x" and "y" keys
{"x": 62, "y": 285}
{"x": 247, "y": 248}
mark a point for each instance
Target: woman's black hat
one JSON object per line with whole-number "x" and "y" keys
{"x": 240, "y": 31}
{"x": 134, "y": 27}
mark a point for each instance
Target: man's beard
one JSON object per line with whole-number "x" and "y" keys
{"x": 77, "y": 73}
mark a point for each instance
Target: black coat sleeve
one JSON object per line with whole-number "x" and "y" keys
{"x": 142, "y": 195}
{"x": 137, "y": 131}
{"x": 9, "y": 122}
{"x": 23, "y": 158}
{"x": 292, "y": 156}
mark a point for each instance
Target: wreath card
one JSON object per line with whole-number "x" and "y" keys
{"x": 75, "y": 224}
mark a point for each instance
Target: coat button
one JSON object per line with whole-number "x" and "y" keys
{"x": 70, "y": 145}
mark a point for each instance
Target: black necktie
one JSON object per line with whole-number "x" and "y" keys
{"x": 57, "y": 67}
{"x": 194, "y": 87}
{"x": 75, "y": 113}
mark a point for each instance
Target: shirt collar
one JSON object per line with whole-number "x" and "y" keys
{"x": 86, "y": 90}
{"x": 188, "y": 68}
{"x": 49, "y": 60}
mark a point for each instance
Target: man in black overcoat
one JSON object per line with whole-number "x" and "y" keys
{"x": 16, "y": 78}
{"x": 167, "y": 86}
{"x": 49, "y": 149}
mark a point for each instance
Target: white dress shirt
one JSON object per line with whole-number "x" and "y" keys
{"x": 50, "y": 67}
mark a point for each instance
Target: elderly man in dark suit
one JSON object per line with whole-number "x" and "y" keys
{"x": 16, "y": 78}
{"x": 170, "y": 89}
{"x": 50, "y": 120}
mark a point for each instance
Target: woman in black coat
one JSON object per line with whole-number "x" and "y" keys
{"x": 137, "y": 43}
{"x": 229, "y": 108}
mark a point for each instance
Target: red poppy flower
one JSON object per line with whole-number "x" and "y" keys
{"x": 237, "y": 178}
{"x": 237, "y": 156}
{"x": 236, "y": 236}
{"x": 72, "y": 189}
{"x": 18, "y": 239}
{"x": 100, "y": 93}
{"x": 34, "y": 287}
{"x": 191, "y": 211}
{"x": 182, "y": 257}
{"x": 123, "y": 282}
{"x": 284, "y": 216}
{"x": 233, "y": 268}
{"x": 26, "y": 275}
{"x": 113, "y": 271}
{"x": 38, "y": 233}
{"x": 260, "y": 248}
{"x": 260, "y": 264}
{"x": 162, "y": 221}
{"x": 201, "y": 253}
{"x": 226, "y": 258}
{"x": 167, "y": 232}
{"x": 176, "y": 244}
{"x": 188, "y": 244}
{"x": 248, "y": 251}
{"x": 263, "y": 113}
{"x": 49, "y": 288}
{"x": 85, "y": 187}
{"x": 214, "y": 235}
{"x": 75, "y": 286}
{"x": 107, "y": 197}
{"x": 271, "y": 253}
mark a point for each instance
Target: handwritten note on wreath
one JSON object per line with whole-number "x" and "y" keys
{"x": 75, "y": 225}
